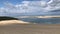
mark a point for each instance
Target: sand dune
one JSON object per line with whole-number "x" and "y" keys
{"x": 7, "y": 22}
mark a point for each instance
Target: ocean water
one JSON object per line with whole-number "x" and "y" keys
{"x": 42, "y": 20}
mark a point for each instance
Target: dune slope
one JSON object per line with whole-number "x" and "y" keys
{"x": 7, "y": 22}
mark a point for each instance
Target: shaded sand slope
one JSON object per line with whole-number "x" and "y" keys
{"x": 30, "y": 29}
{"x": 7, "y": 22}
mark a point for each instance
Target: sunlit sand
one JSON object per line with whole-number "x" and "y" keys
{"x": 7, "y": 22}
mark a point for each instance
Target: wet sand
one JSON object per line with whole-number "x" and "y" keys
{"x": 30, "y": 29}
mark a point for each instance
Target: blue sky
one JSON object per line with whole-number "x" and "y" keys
{"x": 15, "y": 1}
{"x": 11, "y": 1}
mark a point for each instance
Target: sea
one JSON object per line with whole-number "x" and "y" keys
{"x": 42, "y": 20}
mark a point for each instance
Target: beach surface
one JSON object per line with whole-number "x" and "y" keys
{"x": 30, "y": 29}
{"x": 21, "y": 27}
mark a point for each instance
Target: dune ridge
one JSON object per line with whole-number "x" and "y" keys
{"x": 7, "y": 22}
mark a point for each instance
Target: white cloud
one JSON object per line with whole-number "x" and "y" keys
{"x": 31, "y": 7}
{"x": 54, "y": 5}
{"x": 25, "y": 6}
{"x": 50, "y": 1}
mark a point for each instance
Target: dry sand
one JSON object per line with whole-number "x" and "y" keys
{"x": 30, "y": 29}
{"x": 7, "y": 22}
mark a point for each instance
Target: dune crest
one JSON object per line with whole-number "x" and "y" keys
{"x": 7, "y": 22}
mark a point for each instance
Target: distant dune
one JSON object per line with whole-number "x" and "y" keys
{"x": 7, "y": 22}
{"x": 38, "y": 17}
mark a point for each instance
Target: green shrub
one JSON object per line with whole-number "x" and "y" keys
{"x": 7, "y": 18}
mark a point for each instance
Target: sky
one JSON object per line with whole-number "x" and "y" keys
{"x": 29, "y": 7}
{"x": 16, "y": 1}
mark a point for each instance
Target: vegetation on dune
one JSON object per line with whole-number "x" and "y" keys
{"x": 7, "y": 18}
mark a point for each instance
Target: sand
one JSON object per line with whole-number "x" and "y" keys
{"x": 7, "y": 22}
{"x": 21, "y": 27}
{"x": 30, "y": 29}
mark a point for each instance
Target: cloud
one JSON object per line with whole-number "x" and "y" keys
{"x": 30, "y": 7}
{"x": 24, "y": 7}
{"x": 54, "y": 4}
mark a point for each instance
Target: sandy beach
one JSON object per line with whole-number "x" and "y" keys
{"x": 30, "y": 29}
